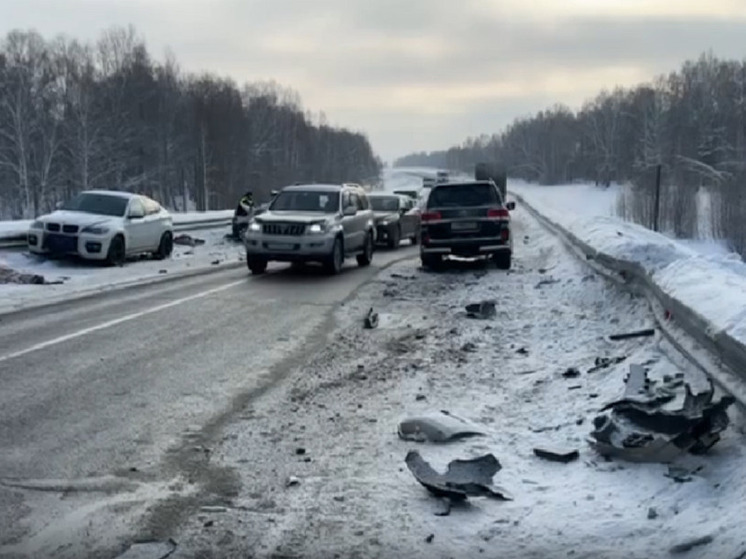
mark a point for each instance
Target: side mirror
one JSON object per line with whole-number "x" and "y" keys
{"x": 350, "y": 211}
{"x": 510, "y": 206}
{"x": 133, "y": 214}
{"x": 274, "y": 193}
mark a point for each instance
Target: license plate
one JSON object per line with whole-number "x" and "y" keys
{"x": 464, "y": 225}
{"x": 280, "y": 246}
{"x": 60, "y": 243}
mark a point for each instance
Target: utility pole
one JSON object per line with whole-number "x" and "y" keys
{"x": 657, "y": 208}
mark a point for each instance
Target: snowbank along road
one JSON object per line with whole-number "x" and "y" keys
{"x": 244, "y": 418}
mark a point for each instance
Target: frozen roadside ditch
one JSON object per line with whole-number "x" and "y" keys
{"x": 30, "y": 280}
{"x": 323, "y": 470}
{"x": 703, "y": 294}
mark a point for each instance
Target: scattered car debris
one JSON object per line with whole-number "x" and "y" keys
{"x": 635, "y": 334}
{"x": 469, "y": 347}
{"x": 605, "y": 362}
{"x": 371, "y": 319}
{"x": 652, "y": 513}
{"x": 210, "y": 508}
{"x": 463, "y": 478}
{"x": 292, "y": 481}
{"x": 691, "y": 544}
{"x": 420, "y": 397}
{"x": 430, "y": 538}
{"x": 522, "y": 351}
{"x": 680, "y": 474}
{"x": 300, "y": 451}
{"x": 149, "y": 550}
{"x": 404, "y": 277}
{"x": 215, "y": 262}
{"x": 547, "y": 281}
{"x": 11, "y": 276}
{"x": 653, "y": 423}
{"x": 187, "y": 240}
{"x": 571, "y": 372}
{"x": 483, "y": 310}
{"x": 439, "y": 428}
{"x": 557, "y": 455}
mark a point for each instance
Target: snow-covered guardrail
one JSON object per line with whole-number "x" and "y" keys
{"x": 651, "y": 268}
{"x": 13, "y": 233}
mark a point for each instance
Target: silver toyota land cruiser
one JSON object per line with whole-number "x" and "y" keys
{"x": 322, "y": 223}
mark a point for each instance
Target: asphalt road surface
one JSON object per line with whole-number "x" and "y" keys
{"x": 118, "y": 393}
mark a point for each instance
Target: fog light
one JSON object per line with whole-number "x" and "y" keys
{"x": 33, "y": 239}
{"x": 93, "y": 247}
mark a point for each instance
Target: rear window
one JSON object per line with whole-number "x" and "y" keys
{"x": 463, "y": 195}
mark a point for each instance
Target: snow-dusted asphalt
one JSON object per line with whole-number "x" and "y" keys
{"x": 185, "y": 415}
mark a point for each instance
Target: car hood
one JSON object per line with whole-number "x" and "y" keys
{"x": 293, "y": 217}
{"x": 82, "y": 219}
{"x": 380, "y": 216}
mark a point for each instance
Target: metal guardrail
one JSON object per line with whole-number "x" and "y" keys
{"x": 19, "y": 241}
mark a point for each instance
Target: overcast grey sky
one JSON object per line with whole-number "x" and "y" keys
{"x": 414, "y": 74}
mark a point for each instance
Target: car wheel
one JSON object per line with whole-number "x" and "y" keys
{"x": 366, "y": 257}
{"x": 416, "y": 237}
{"x": 256, "y": 264}
{"x": 503, "y": 260}
{"x": 395, "y": 238}
{"x": 334, "y": 261}
{"x": 117, "y": 252}
{"x": 431, "y": 261}
{"x": 166, "y": 246}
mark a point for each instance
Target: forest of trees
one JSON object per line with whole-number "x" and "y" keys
{"x": 691, "y": 122}
{"x": 106, "y": 115}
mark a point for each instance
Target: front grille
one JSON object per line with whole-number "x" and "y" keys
{"x": 53, "y": 227}
{"x": 283, "y": 228}
{"x": 69, "y": 228}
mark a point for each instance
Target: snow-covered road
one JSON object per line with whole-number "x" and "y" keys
{"x": 332, "y": 425}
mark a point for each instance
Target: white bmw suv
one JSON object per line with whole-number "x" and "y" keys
{"x": 104, "y": 225}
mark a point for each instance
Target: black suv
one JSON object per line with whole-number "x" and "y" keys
{"x": 466, "y": 219}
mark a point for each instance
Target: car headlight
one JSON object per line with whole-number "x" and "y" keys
{"x": 255, "y": 227}
{"x": 317, "y": 228}
{"x": 95, "y": 230}
{"x": 37, "y": 225}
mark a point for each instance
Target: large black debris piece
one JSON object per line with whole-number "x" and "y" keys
{"x": 483, "y": 310}
{"x": 463, "y": 478}
{"x": 657, "y": 422}
{"x": 371, "y": 319}
{"x": 436, "y": 428}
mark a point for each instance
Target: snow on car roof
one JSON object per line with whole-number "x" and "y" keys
{"x": 118, "y": 193}
{"x": 313, "y": 187}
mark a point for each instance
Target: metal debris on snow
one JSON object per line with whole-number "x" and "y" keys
{"x": 462, "y": 479}
{"x": 636, "y": 334}
{"x": 149, "y": 550}
{"x": 187, "y": 240}
{"x": 605, "y": 362}
{"x": 653, "y": 423}
{"x": 691, "y": 544}
{"x": 439, "y": 428}
{"x": 557, "y": 455}
{"x": 371, "y": 319}
{"x": 483, "y": 310}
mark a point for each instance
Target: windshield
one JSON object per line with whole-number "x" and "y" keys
{"x": 462, "y": 195}
{"x": 384, "y": 204}
{"x": 102, "y": 204}
{"x": 306, "y": 201}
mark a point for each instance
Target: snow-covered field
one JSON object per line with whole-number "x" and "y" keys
{"x": 331, "y": 428}
{"x": 10, "y": 229}
{"x": 710, "y": 282}
{"x": 69, "y": 277}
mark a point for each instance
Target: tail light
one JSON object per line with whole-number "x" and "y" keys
{"x": 431, "y": 216}
{"x": 498, "y": 213}
{"x": 505, "y": 234}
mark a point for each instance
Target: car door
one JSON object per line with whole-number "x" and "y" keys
{"x": 348, "y": 221}
{"x": 136, "y": 226}
{"x": 361, "y": 220}
{"x": 153, "y": 223}
{"x": 406, "y": 216}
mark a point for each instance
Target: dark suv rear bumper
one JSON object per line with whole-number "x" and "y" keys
{"x": 465, "y": 247}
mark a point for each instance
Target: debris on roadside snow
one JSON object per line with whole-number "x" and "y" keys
{"x": 11, "y": 276}
{"x": 371, "y": 319}
{"x": 522, "y": 351}
{"x": 149, "y": 550}
{"x": 557, "y": 455}
{"x": 658, "y": 423}
{"x": 605, "y": 362}
{"x": 680, "y": 474}
{"x": 636, "y": 334}
{"x": 463, "y": 478}
{"x": 404, "y": 277}
{"x": 469, "y": 347}
{"x": 210, "y": 508}
{"x": 483, "y": 310}
{"x": 652, "y": 513}
{"x": 187, "y": 240}
{"x": 438, "y": 428}
{"x": 571, "y": 372}
{"x": 292, "y": 481}
{"x": 547, "y": 281}
{"x": 691, "y": 544}
{"x": 430, "y": 538}
{"x": 420, "y": 397}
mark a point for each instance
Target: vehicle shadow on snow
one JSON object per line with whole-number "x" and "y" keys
{"x": 460, "y": 266}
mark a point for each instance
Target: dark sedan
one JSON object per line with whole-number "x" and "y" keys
{"x": 397, "y": 217}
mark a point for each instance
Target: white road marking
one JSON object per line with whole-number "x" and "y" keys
{"x": 116, "y": 321}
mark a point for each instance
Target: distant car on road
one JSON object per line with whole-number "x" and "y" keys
{"x": 313, "y": 223}
{"x": 441, "y": 177}
{"x": 397, "y": 217}
{"x": 104, "y": 225}
{"x": 466, "y": 219}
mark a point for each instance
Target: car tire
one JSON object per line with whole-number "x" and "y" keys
{"x": 366, "y": 257}
{"x": 503, "y": 260}
{"x": 333, "y": 262}
{"x": 416, "y": 238}
{"x": 256, "y": 265}
{"x": 117, "y": 252}
{"x": 165, "y": 247}
{"x": 431, "y": 261}
{"x": 395, "y": 238}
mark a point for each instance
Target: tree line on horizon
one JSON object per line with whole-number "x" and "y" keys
{"x": 77, "y": 116}
{"x": 691, "y": 123}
